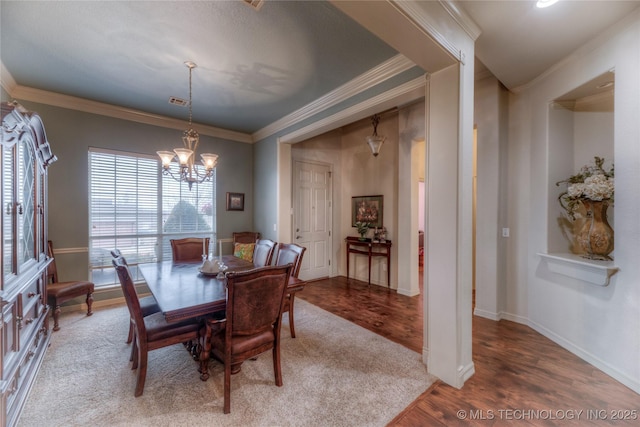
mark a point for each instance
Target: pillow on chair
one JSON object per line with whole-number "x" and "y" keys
{"x": 244, "y": 250}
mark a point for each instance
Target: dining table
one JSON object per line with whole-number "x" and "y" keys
{"x": 183, "y": 291}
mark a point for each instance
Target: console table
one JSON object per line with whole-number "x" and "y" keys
{"x": 371, "y": 249}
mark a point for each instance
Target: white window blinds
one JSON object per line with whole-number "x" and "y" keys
{"x": 134, "y": 208}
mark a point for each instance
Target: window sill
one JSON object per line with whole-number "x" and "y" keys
{"x": 571, "y": 265}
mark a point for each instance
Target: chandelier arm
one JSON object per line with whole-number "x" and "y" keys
{"x": 190, "y": 139}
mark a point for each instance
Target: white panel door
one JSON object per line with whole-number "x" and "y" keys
{"x": 312, "y": 217}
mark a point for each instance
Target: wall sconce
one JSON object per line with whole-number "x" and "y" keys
{"x": 374, "y": 141}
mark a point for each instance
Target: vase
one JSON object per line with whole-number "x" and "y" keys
{"x": 596, "y": 235}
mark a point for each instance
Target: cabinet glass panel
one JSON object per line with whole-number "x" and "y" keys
{"x": 7, "y": 210}
{"x": 26, "y": 203}
{"x": 42, "y": 244}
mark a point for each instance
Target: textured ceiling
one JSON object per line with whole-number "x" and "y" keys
{"x": 255, "y": 67}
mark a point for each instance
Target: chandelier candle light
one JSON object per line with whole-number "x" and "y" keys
{"x": 190, "y": 139}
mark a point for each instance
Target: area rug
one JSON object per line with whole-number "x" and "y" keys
{"x": 335, "y": 373}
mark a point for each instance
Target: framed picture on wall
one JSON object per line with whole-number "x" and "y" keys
{"x": 235, "y": 201}
{"x": 367, "y": 209}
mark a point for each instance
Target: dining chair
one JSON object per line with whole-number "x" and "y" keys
{"x": 152, "y": 331}
{"x": 263, "y": 252}
{"x": 189, "y": 248}
{"x": 244, "y": 243}
{"x": 148, "y": 304}
{"x": 290, "y": 253}
{"x": 252, "y": 323}
{"x": 60, "y": 292}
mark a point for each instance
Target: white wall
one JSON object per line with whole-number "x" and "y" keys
{"x": 600, "y": 324}
{"x": 492, "y": 151}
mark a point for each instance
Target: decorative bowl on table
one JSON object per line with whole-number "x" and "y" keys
{"x": 209, "y": 268}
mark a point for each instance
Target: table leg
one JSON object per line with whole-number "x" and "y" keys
{"x": 370, "y": 265}
{"x": 205, "y": 352}
{"x": 347, "y": 260}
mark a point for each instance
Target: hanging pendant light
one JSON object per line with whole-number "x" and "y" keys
{"x": 188, "y": 172}
{"x": 375, "y": 141}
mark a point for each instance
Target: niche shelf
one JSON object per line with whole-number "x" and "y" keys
{"x": 572, "y": 265}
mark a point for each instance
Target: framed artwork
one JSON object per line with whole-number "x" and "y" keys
{"x": 235, "y": 201}
{"x": 367, "y": 209}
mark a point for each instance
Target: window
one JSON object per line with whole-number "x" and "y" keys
{"x": 134, "y": 208}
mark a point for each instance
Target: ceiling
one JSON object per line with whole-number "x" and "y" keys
{"x": 254, "y": 66}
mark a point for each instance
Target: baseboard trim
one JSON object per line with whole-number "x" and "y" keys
{"x": 514, "y": 318}
{"x": 588, "y": 357}
{"x": 465, "y": 372}
{"x": 486, "y": 314}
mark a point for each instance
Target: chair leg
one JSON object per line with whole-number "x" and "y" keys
{"x": 292, "y": 327}
{"x": 89, "y": 303}
{"x": 130, "y": 336}
{"x": 142, "y": 371}
{"x": 227, "y": 387}
{"x": 276, "y": 365}
{"x": 134, "y": 347}
{"x": 56, "y": 315}
{"x": 134, "y": 354}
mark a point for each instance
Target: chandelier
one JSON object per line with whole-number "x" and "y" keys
{"x": 188, "y": 171}
{"x": 374, "y": 141}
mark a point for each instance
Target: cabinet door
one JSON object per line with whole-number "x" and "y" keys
{"x": 8, "y": 212}
{"x": 26, "y": 202}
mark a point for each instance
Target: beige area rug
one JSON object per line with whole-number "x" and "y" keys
{"x": 335, "y": 373}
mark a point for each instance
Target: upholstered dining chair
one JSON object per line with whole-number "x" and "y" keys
{"x": 189, "y": 248}
{"x": 60, "y": 292}
{"x": 290, "y": 253}
{"x": 252, "y": 323}
{"x": 263, "y": 252}
{"x": 245, "y": 236}
{"x": 153, "y": 331}
{"x": 148, "y": 304}
{"x": 244, "y": 243}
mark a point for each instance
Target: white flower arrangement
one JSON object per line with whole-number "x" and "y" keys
{"x": 591, "y": 183}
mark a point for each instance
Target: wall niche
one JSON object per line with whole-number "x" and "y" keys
{"x": 581, "y": 127}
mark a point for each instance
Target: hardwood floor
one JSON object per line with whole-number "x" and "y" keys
{"x": 520, "y": 376}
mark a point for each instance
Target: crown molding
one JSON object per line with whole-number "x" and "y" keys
{"x": 398, "y": 96}
{"x": 415, "y": 11}
{"x": 461, "y": 17}
{"x": 109, "y": 110}
{"x": 386, "y": 70}
{"x": 6, "y": 79}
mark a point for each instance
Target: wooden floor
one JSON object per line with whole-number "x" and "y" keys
{"x": 520, "y": 378}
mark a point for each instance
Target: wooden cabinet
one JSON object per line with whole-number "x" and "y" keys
{"x": 24, "y": 330}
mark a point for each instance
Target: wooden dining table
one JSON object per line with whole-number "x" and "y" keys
{"x": 183, "y": 292}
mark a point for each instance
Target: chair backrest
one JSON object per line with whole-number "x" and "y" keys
{"x": 189, "y": 248}
{"x": 290, "y": 253}
{"x": 52, "y": 270}
{"x": 130, "y": 295}
{"x": 245, "y": 237}
{"x": 255, "y": 299}
{"x": 263, "y": 252}
{"x": 117, "y": 254}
